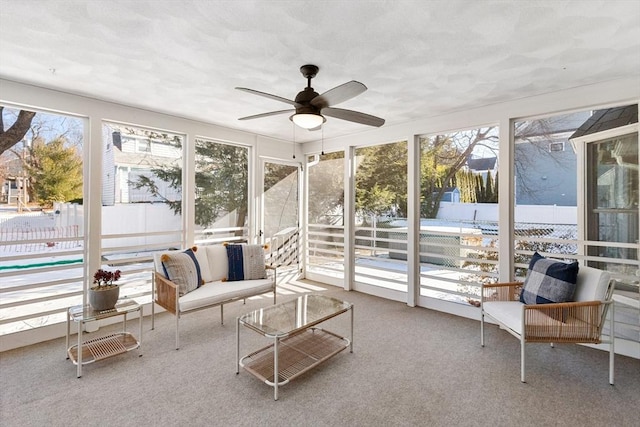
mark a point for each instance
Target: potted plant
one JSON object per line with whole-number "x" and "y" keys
{"x": 104, "y": 293}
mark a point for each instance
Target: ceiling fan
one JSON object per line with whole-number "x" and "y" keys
{"x": 310, "y": 107}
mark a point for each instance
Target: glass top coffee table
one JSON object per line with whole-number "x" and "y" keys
{"x": 298, "y": 344}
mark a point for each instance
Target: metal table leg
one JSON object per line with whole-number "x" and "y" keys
{"x": 140, "y": 330}
{"x": 351, "y": 334}
{"x": 275, "y": 368}
{"x": 237, "y": 345}
{"x": 80, "y": 327}
{"x": 68, "y": 333}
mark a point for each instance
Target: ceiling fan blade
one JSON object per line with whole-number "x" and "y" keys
{"x": 272, "y": 113}
{"x": 338, "y": 94}
{"x": 268, "y": 95}
{"x": 353, "y": 116}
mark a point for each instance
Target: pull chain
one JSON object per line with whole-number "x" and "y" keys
{"x": 294, "y": 139}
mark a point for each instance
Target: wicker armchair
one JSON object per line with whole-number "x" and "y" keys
{"x": 569, "y": 322}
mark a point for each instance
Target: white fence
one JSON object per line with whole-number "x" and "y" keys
{"x": 544, "y": 214}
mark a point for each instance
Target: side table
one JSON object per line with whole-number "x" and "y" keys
{"x": 93, "y": 350}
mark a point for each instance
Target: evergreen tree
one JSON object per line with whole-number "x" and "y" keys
{"x": 221, "y": 182}
{"x": 381, "y": 179}
{"x": 55, "y": 172}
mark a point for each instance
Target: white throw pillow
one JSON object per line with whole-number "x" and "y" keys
{"x": 203, "y": 262}
{"x": 218, "y": 264}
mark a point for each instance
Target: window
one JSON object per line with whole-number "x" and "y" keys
{"x": 41, "y": 223}
{"x": 381, "y": 212}
{"x": 546, "y": 189}
{"x": 556, "y": 146}
{"x": 222, "y": 198}
{"x": 325, "y": 236}
{"x": 146, "y": 189}
{"x": 458, "y": 214}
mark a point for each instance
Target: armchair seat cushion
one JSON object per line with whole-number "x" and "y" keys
{"x": 218, "y": 292}
{"x": 508, "y": 313}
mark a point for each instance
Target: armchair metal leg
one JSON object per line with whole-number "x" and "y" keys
{"x": 522, "y": 360}
{"x": 177, "y": 337}
{"x": 153, "y": 301}
{"x": 481, "y": 328}
{"x": 612, "y": 339}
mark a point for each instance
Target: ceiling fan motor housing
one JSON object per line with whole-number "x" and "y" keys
{"x": 304, "y": 99}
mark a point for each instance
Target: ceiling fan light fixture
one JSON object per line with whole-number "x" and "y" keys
{"x": 308, "y": 120}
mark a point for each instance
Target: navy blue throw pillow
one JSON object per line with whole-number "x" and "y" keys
{"x": 549, "y": 281}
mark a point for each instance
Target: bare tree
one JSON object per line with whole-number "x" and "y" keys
{"x": 17, "y": 131}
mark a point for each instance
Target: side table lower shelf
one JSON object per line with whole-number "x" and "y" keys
{"x": 296, "y": 355}
{"x": 95, "y": 349}
{"x": 104, "y": 347}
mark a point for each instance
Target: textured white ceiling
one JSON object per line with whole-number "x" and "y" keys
{"x": 418, "y": 58}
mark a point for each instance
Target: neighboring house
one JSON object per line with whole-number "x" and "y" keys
{"x": 483, "y": 166}
{"x": 12, "y": 189}
{"x": 127, "y": 158}
{"x": 545, "y": 161}
{"x": 451, "y": 194}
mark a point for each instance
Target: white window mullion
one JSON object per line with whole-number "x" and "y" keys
{"x": 349, "y": 217}
{"x": 188, "y": 190}
{"x": 413, "y": 220}
{"x": 506, "y": 200}
{"x": 93, "y": 152}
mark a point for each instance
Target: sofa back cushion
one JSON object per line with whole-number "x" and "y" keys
{"x": 592, "y": 284}
{"x": 182, "y": 268}
{"x": 218, "y": 264}
{"x": 246, "y": 262}
{"x": 203, "y": 261}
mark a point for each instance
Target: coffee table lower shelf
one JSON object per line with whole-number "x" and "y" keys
{"x": 104, "y": 347}
{"x": 296, "y": 355}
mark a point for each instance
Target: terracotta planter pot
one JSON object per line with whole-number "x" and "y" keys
{"x": 103, "y": 298}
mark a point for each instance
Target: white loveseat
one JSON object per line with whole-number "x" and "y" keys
{"x": 215, "y": 289}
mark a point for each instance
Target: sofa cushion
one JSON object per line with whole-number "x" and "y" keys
{"x": 218, "y": 292}
{"x": 203, "y": 262}
{"x": 218, "y": 264}
{"x": 549, "y": 281}
{"x": 246, "y": 262}
{"x": 182, "y": 269}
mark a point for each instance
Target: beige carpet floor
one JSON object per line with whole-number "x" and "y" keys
{"x": 410, "y": 367}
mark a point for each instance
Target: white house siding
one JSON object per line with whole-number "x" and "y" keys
{"x": 108, "y": 168}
